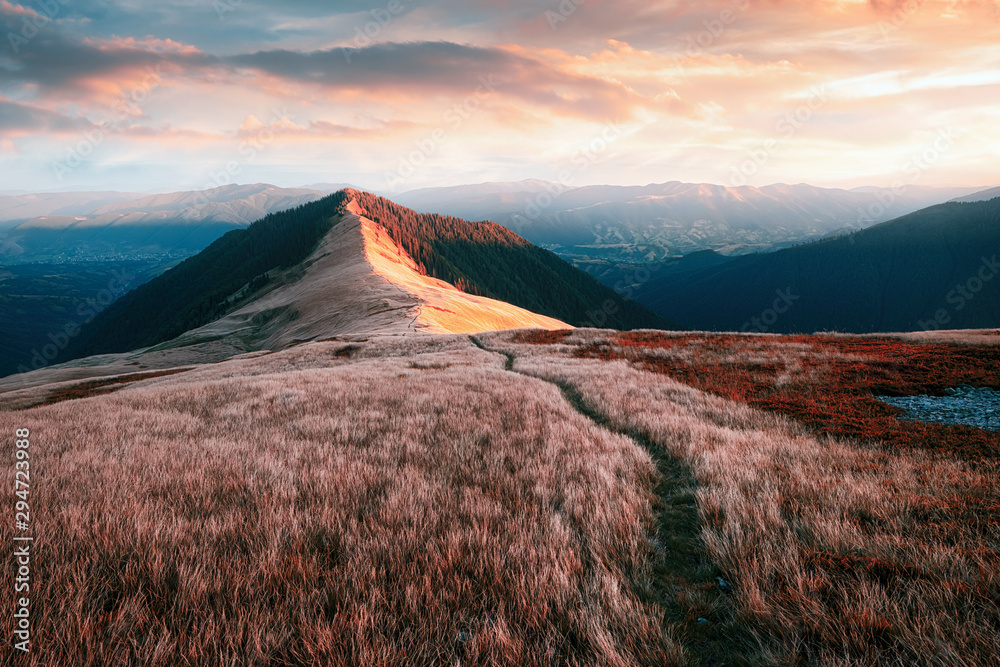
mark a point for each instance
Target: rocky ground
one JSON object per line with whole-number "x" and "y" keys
{"x": 971, "y": 406}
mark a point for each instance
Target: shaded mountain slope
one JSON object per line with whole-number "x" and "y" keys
{"x": 935, "y": 268}
{"x": 197, "y": 291}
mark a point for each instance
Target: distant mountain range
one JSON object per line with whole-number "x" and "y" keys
{"x": 18, "y": 208}
{"x": 174, "y": 225}
{"x": 661, "y": 221}
{"x": 933, "y": 269}
{"x": 594, "y": 223}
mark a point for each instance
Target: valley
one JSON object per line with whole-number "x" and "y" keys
{"x": 42, "y": 306}
{"x": 932, "y": 269}
{"x": 662, "y": 222}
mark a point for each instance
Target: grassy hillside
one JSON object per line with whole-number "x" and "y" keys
{"x": 195, "y": 292}
{"x": 933, "y": 269}
{"x": 487, "y": 259}
{"x": 847, "y": 537}
{"x": 550, "y": 499}
{"x": 406, "y": 505}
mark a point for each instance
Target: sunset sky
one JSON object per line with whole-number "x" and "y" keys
{"x": 399, "y": 94}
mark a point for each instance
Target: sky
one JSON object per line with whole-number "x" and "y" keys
{"x": 394, "y": 95}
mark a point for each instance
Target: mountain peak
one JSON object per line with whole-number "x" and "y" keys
{"x": 354, "y": 263}
{"x": 359, "y": 281}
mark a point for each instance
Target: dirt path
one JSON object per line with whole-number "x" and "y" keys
{"x": 685, "y": 584}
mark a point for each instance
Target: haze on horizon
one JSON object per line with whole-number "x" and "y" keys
{"x": 394, "y": 95}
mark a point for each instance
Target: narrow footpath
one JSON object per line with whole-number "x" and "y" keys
{"x": 685, "y": 584}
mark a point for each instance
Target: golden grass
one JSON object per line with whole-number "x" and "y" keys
{"x": 399, "y": 503}
{"x": 839, "y": 554}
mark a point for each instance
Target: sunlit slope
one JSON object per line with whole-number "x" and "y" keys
{"x": 441, "y": 307}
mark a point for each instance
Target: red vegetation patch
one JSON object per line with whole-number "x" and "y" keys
{"x": 540, "y": 337}
{"x": 832, "y": 388}
{"x": 102, "y": 386}
{"x": 956, "y": 512}
{"x": 889, "y": 574}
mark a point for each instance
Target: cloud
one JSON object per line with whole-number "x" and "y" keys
{"x": 283, "y": 128}
{"x": 11, "y": 9}
{"x": 702, "y": 79}
{"x": 19, "y": 118}
{"x": 61, "y": 65}
{"x": 425, "y": 69}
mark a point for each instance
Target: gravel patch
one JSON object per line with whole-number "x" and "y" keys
{"x": 969, "y": 406}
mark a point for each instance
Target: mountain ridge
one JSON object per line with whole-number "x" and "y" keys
{"x": 982, "y": 195}
{"x": 663, "y": 221}
{"x": 357, "y": 281}
{"x": 329, "y": 267}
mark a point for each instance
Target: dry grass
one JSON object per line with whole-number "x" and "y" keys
{"x": 394, "y": 502}
{"x": 840, "y": 553}
{"x": 962, "y": 336}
